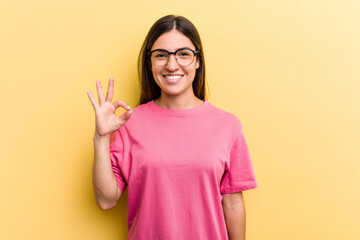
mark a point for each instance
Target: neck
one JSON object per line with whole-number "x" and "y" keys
{"x": 178, "y": 102}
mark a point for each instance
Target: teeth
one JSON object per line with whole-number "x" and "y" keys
{"x": 172, "y": 77}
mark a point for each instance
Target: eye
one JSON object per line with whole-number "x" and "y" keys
{"x": 160, "y": 54}
{"x": 184, "y": 53}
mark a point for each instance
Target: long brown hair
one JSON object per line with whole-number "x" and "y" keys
{"x": 148, "y": 87}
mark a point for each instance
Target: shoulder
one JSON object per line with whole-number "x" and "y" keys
{"x": 141, "y": 109}
{"x": 227, "y": 117}
{"x": 142, "y": 106}
{"x": 141, "y": 116}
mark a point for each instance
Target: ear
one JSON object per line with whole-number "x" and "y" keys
{"x": 197, "y": 63}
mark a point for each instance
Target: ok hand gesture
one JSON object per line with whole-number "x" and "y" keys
{"x": 106, "y": 120}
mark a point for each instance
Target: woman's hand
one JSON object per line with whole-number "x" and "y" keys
{"x": 106, "y": 120}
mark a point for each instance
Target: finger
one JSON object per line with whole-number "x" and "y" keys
{"x": 127, "y": 114}
{"x": 92, "y": 99}
{"x": 100, "y": 92}
{"x": 124, "y": 117}
{"x": 109, "y": 94}
{"x": 120, "y": 103}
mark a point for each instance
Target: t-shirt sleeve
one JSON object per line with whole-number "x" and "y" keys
{"x": 117, "y": 158}
{"x": 239, "y": 174}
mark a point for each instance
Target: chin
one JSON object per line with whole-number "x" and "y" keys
{"x": 172, "y": 93}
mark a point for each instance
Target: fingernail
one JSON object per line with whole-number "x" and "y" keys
{"x": 128, "y": 107}
{"x": 111, "y": 77}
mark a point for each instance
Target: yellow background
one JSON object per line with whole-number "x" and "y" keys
{"x": 288, "y": 69}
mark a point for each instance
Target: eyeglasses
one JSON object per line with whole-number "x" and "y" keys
{"x": 160, "y": 57}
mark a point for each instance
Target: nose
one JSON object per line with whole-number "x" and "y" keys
{"x": 172, "y": 64}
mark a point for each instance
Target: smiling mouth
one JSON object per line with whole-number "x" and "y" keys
{"x": 172, "y": 78}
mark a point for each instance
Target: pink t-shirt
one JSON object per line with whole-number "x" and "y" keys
{"x": 177, "y": 163}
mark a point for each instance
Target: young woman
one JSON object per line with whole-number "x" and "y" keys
{"x": 185, "y": 161}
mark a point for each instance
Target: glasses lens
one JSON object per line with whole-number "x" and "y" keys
{"x": 159, "y": 58}
{"x": 185, "y": 57}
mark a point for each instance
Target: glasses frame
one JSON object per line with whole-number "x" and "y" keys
{"x": 184, "y": 48}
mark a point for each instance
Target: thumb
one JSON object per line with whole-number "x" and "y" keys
{"x": 124, "y": 117}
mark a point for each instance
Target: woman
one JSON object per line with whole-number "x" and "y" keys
{"x": 185, "y": 161}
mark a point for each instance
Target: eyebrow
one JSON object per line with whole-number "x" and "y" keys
{"x": 170, "y": 51}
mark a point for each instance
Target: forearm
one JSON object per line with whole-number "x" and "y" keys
{"x": 235, "y": 218}
{"x": 105, "y": 187}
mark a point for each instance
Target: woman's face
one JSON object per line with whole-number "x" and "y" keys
{"x": 174, "y": 79}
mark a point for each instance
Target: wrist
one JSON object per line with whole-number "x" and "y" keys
{"x": 97, "y": 137}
